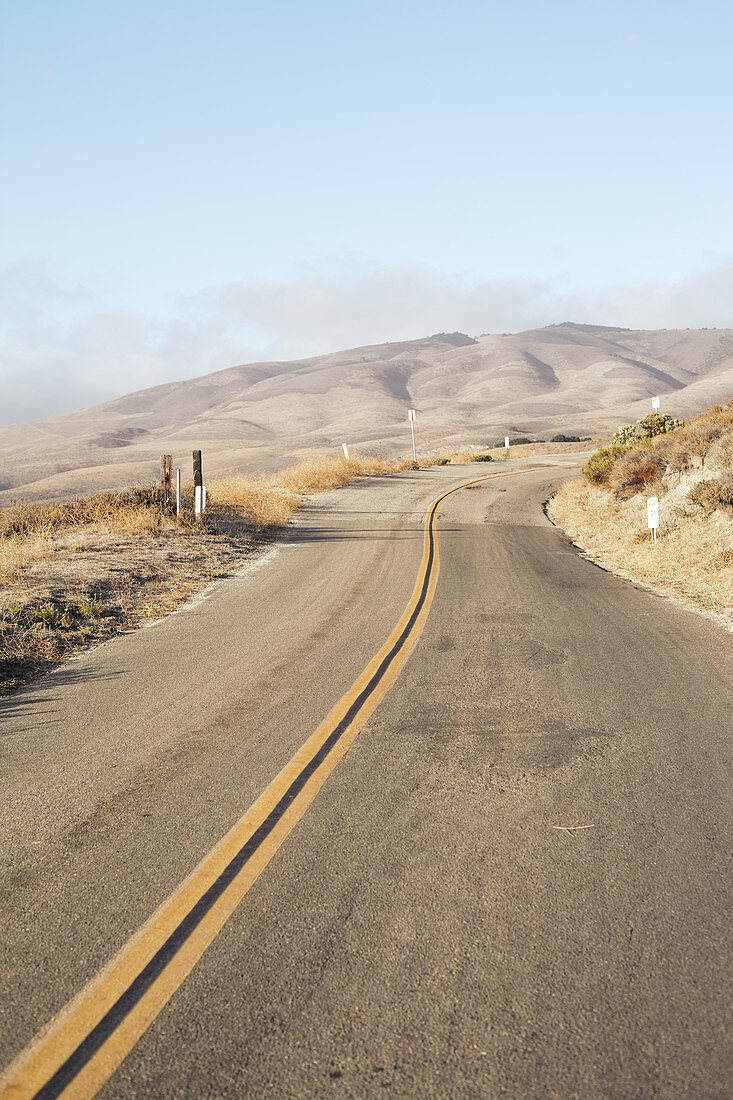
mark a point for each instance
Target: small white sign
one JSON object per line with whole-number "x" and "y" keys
{"x": 411, "y": 414}
{"x": 346, "y": 450}
{"x": 506, "y": 441}
{"x": 652, "y": 512}
{"x": 655, "y": 402}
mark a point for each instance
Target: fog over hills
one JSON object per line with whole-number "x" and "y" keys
{"x": 570, "y": 378}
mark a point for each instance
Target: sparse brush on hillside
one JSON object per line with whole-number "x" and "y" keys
{"x": 631, "y": 446}
{"x": 689, "y": 467}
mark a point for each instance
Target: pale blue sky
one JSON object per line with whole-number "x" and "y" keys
{"x": 189, "y": 185}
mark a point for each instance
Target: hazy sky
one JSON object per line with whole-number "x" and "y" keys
{"x": 187, "y": 186}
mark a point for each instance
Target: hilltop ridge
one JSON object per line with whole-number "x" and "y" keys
{"x": 573, "y": 378}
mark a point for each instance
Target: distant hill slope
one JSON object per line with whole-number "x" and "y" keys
{"x": 571, "y": 378}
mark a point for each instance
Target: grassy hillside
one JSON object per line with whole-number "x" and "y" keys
{"x": 690, "y": 470}
{"x": 569, "y": 379}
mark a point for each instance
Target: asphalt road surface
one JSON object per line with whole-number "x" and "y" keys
{"x": 417, "y": 925}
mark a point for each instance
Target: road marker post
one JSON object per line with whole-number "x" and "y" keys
{"x": 506, "y": 443}
{"x": 411, "y": 418}
{"x": 178, "y": 491}
{"x": 652, "y": 515}
{"x": 346, "y": 450}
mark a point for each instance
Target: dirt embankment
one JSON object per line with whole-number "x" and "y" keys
{"x": 690, "y": 471}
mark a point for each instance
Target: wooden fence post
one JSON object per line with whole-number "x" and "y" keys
{"x": 198, "y": 482}
{"x": 166, "y": 470}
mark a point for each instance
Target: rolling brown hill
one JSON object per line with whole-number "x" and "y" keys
{"x": 570, "y": 378}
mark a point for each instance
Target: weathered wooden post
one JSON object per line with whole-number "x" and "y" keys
{"x": 166, "y": 471}
{"x": 198, "y": 484}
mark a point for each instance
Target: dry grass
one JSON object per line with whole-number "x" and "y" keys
{"x": 690, "y": 470}
{"x": 76, "y": 573}
{"x": 258, "y": 502}
{"x": 270, "y": 502}
{"x": 318, "y": 475}
{"x": 524, "y": 450}
{"x": 462, "y": 457}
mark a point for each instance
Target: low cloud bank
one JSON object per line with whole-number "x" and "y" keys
{"x": 60, "y": 350}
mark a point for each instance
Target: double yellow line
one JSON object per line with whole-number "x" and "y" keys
{"x": 83, "y": 1046}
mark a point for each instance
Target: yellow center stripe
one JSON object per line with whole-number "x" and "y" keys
{"x": 82, "y": 1047}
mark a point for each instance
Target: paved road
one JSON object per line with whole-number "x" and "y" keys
{"x": 424, "y": 930}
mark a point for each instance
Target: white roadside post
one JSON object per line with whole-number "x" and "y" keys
{"x": 652, "y": 515}
{"x": 411, "y": 417}
{"x": 346, "y": 450}
{"x": 200, "y": 504}
{"x": 178, "y": 492}
{"x": 506, "y": 443}
{"x": 655, "y": 404}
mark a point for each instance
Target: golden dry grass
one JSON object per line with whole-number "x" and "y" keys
{"x": 123, "y": 555}
{"x": 692, "y": 559}
{"x": 318, "y": 475}
{"x": 77, "y": 572}
{"x": 259, "y": 502}
{"x": 462, "y": 457}
{"x": 270, "y": 502}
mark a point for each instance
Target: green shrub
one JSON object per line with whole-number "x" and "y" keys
{"x": 649, "y": 426}
{"x": 600, "y": 464}
{"x": 483, "y": 458}
{"x": 641, "y": 468}
{"x": 49, "y": 615}
{"x": 85, "y": 609}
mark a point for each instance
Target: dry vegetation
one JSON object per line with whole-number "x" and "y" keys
{"x": 76, "y": 573}
{"x": 526, "y": 450}
{"x": 690, "y": 470}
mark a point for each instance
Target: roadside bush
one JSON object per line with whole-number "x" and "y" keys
{"x": 714, "y": 494}
{"x": 598, "y": 467}
{"x": 693, "y": 442}
{"x": 636, "y": 469}
{"x": 641, "y": 467}
{"x": 647, "y": 428}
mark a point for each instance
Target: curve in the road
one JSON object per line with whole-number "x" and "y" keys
{"x": 89, "y": 1039}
